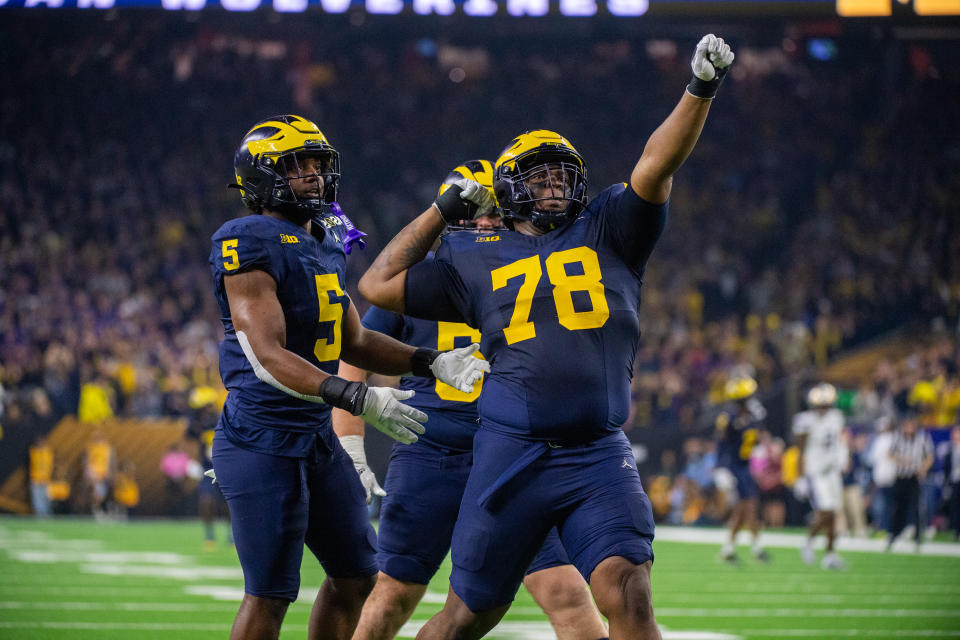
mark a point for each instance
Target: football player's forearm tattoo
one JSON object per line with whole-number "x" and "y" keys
{"x": 407, "y": 248}
{"x": 417, "y": 249}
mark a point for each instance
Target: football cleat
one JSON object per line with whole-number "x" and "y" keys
{"x": 278, "y": 150}
{"x": 833, "y": 562}
{"x": 728, "y": 554}
{"x": 540, "y": 177}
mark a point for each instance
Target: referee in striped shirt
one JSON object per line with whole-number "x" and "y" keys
{"x": 912, "y": 452}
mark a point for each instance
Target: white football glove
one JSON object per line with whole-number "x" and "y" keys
{"x": 801, "y": 489}
{"x": 464, "y": 200}
{"x": 382, "y": 408}
{"x": 459, "y": 368}
{"x": 712, "y": 55}
{"x": 353, "y": 445}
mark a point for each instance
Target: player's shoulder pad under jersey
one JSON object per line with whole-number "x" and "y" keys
{"x": 257, "y": 226}
{"x": 457, "y": 244}
{"x": 251, "y": 242}
{"x": 599, "y": 201}
{"x": 836, "y": 414}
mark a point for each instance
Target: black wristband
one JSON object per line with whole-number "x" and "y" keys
{"x": 452, "y": 207}
{"x": 707, "y": 89}
{"x": 421, "y": 361}
{"x": 343, "y": 394}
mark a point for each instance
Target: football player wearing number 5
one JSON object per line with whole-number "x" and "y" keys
{"x": 425, "y": 481}
{"x": 557, "y": 302}
{"x": 278, "y": 278}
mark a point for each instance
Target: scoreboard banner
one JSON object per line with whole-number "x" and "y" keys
{"x": 534, "y": 8}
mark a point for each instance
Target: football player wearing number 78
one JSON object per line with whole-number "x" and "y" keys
{"x": 278, "y": 278}
{"x": 426, "y": 479}
{"x": 556, "y": 301}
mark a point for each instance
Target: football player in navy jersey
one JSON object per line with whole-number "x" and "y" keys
{"x": 738, "y": 426}
{"x": 425, "y": 481}
{"x": 556, "y": 302}
{"x": 279, "y": 282}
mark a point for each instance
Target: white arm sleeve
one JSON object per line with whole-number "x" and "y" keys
{"x": 266, "y": 376}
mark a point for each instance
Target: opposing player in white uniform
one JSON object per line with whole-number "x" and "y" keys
{"x": 823, "y": 457}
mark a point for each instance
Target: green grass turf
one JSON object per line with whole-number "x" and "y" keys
{"x": 54, "y": 594}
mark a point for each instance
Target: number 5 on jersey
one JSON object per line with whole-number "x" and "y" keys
{"x": 447, "y": 334}
{"x": 326, "y": 349}
{"x": 564, "y": 285}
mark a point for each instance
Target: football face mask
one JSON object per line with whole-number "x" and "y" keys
{"x": 285, "y": 164}
{"x": 542, "y": 179}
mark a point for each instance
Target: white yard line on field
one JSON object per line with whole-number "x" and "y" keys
{"x": 122, "y": 626}
{"x": 184, "y": 572}
{"x": 853, "y": 633}
{"x": 515, "y": 630}
{"x": 666, "y": 599}
{"x": 793, "y": 612}
{"x": 117, "y": 606}
{"x": 710, "y": 535}
{"x": 100, "y": 557}
{"x": 503, "y": 631}
{"x": 783, "y": 586}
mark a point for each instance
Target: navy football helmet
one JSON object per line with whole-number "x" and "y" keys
{"x": 278, "y": 150}
{"x": 539, "y": 168}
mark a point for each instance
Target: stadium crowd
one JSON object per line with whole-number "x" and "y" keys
{"x": 795, "y": 231}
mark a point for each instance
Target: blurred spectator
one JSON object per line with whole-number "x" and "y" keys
{"x": 126, "y": 490}
{"x": 766, "y": 467}
{"x": 175, "y": 466}
{"x": 95, "y": 401}
{"x": 59, "y": 491}
{"x": 98, "y": 469}
{"x": 884, "y": 474}
{"x": 41, "y": 472}
{"x": 853, "y": 518}
{"x": 701, "y": 458}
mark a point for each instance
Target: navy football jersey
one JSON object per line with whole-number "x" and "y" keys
{"x": 558, "y": 314}
{"x": 737, "y": 429}
{"x": 309, "y": 276}
{"x": 453, "y": 413}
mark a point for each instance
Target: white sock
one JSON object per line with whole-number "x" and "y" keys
{"x": 727, "y": 549}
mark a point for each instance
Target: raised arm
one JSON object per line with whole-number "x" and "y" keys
{"x": 672, "y": 142}
{"x": 384, "y": 282}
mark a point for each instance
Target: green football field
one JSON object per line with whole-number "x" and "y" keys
{"x": 76, "y": 578}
